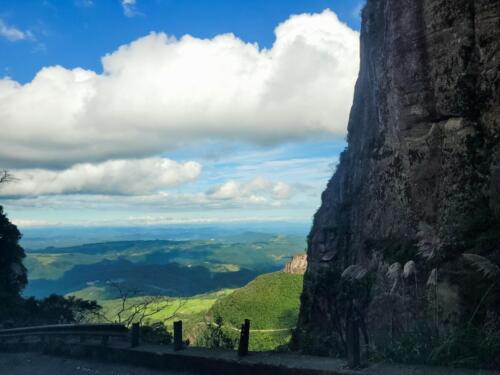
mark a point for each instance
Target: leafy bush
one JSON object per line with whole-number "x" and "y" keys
{"x": 156, "y": 333}
{"x": 215, "y": 337}
{"x": 471, "y": 346}
{"x": 57, "y": 309}
{"x": 414, "y": 346}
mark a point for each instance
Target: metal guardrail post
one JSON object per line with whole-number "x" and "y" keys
{"x": 134, "y": 335}
{"x": 178, "y": 335}
{"x": 244, "y": 338}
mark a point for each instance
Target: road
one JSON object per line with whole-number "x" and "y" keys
{"x": 39, "y": 364}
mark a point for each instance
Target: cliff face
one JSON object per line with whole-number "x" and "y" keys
{"x": 420, "y": 179}
{"x": 297, "y": 265}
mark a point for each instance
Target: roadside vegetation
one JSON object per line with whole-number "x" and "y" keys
{"x": 271, "y": 302}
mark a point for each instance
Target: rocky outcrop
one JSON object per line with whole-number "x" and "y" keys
{"x": 297, "y": 265}
{"x": 420, "y": 178}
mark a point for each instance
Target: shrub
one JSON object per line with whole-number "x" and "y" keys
{"x": 156, "y": 333}
{"x": 215, "y": 337}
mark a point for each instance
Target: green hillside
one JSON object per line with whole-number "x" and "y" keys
{"x": 271, "y": 302}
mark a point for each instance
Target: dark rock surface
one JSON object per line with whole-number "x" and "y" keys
{"x": 421, "y": 173}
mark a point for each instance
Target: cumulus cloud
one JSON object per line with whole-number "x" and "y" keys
{"x": 141, "y": 195}
{"x": 282, "y": 190}
{"x": 13, "y": 34}
{"x": 128, "y": 177}
{"x": 158, "y": 93}
{"x": 257, "y": 191}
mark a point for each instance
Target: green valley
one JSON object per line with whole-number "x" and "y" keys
{"x": 166, "y": 267}
{"x": 233, "y": 277}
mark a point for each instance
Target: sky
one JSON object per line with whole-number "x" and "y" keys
{"x": 142, "y": 112}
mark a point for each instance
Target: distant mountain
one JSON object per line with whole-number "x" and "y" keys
{"x": 167, "y": 267}
{"x": 65, "y": 236}
{"x": 112, "y": 246}
{"x": 169, "y": 279}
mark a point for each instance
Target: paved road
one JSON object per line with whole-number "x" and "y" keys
{"x": 39, "y": 364}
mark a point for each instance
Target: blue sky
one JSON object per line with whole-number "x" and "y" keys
{"x": 112, "y": 115}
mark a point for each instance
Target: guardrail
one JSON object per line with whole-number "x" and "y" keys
{"x": 83, "y": 331}
{"x": 105, "y": 331}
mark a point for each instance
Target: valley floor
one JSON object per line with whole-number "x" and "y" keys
{"x": 39, "y": 364}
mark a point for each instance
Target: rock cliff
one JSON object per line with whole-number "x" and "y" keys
{"x": 297, "y": 265}
{"x": 420, "y": 179}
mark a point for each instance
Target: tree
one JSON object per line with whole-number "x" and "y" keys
{"x": 12, "y": 271}
{"x": 5, "y": 177}
{"x": 135, "y": 308}
{"x": 57, "y": 309}
{"x": 214, "y": 336}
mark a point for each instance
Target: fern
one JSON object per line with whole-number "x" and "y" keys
{"x": 354, "y": 272}
{"x": 489, "y": 269}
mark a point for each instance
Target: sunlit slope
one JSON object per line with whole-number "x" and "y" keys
{"x": 271, "y": 302}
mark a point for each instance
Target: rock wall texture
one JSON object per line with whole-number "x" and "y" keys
{"x": 420, "y": 178}
{"x": 297, "y": 265}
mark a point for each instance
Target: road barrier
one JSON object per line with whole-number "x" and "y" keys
{"x": 83, "y": 331}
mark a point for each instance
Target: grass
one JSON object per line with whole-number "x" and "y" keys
{"x": 192, "y": 310}
{"x": 271, "y": 302}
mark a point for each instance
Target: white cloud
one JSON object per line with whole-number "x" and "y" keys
{"x": 28, "y": 223}
{"x": 282, "y": 190}
{"x": 129, "y": 8}
{"x": 13, "y": 34}
{"x": 112, "y": 177}
{"x": 259, "y": 190}
{"x": 158, "y": 220}
{"x": 42, "y": 192}
{"x": 158, "y": 93}
{"x": 161, "y": 220}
